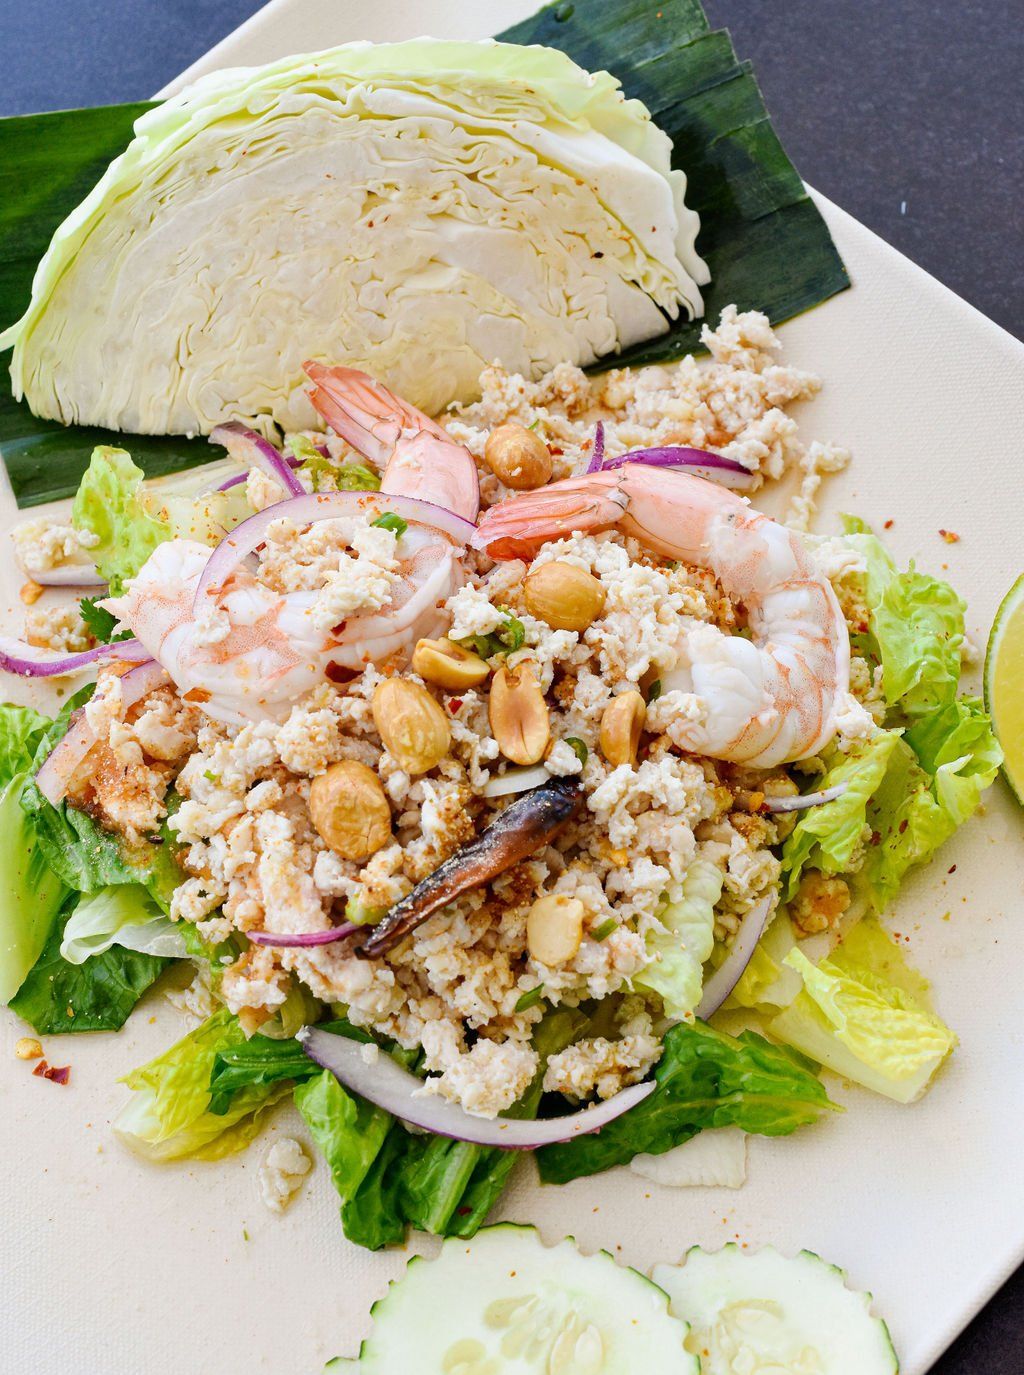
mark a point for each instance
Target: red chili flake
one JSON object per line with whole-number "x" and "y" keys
{"x": 454, "y": 704}
{"x": 863, "y": 628}
{"x": 463, "y": 1211}
{"x": 951, "y": 869}
{"x": 903, "y": 825}
{"x": 876, "y": 837}
{"x": 57, "y": 1074}
{"x": 887, "y": 525}
{"x": 950, "y": 536}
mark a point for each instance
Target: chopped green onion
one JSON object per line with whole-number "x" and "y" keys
{"x": 578, "y": 748}
{"x": 530, "y": 998}
{"x": 389, "y": 521}
{"x": 602, "y": 932}
{"x": 654, "y": 691}
{"x": 210, "y": 776}
{"x": 508, "y": 637}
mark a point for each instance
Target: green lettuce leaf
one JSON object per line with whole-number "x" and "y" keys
{"x": 767, "y": 981}
{"x": 126, "y": 915}
{"x": 168, "y": 1116}
{"x": 78, "y": 850}
{"x": 677, "y": 954}
{"x": 264, "y": 1060}
{"x": 828, "y": 837}
{"x": 348, "y": 1131}
{"x": 31, "y": 894}
{"x": 704, "y": 1079}
{"x": 111, "y": 509}
{"x": 96, "y": 995}
{"x": 864, "y": 1014}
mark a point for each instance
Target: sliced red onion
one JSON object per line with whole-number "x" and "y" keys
{"x": 69, "y": 575}
{"x": 239, "y": 478}
{"x": 801, "y": 800}
{"x": 516, "y": 781}
{"x": 335, "y": 933}
{"x": 60, "y": 764}
{"x": 715, "y": 467}
{"x": 16, "y": 656}
{"x": 744, "y": 943}
{"x": 597, "y": 457}
{"x": 314, "y": 506}
{"x": 254, "y": 451}
{"x": 379, "y": 1080}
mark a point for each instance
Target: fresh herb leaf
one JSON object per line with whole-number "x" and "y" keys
{"x": 704, "y": 1079}
{"x": 392, "y": 522}
{"x": 100, "y": 622}
{"x": 654, "y": 691}
{"x": 98, "y": 995}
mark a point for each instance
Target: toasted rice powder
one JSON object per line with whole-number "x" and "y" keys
{"x": 255, "y": 861}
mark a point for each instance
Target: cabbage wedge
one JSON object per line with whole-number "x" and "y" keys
{"x": 415, "y": 209}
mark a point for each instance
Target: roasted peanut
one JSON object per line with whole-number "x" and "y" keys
{"x": 448, "y": 665}
{"x": 518, "y": 457}
{"x": 554, "y": 928}
{"x": 621, "y": 723}
{"x": 350, "y": 809}
{"x": 519, "y": 714}
{"x": 412, "y": 725}
{"x": 563, "y": 596}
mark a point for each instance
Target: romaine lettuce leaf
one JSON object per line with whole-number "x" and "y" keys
{"x": 704, "y": 1079}
{"x": 767, "y": 981}
{"x": 265, "y": 1060}
{"x": 125, "y": 916}
{"x": 97, "y": 995}
{"x": 168, "y": 1116}
{"x": 863, "y": 1014}
{"x": 677, "y": 954}
{"x": 31, "y": 894}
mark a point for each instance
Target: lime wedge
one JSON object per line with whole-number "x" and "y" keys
{"x": 1004, "y": 684}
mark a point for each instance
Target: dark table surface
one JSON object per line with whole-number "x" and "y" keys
{"x": 907, "y": 113}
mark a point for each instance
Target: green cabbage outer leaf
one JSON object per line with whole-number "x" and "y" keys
{"x": 168, "y": 1116}
{"x": 863, "y": 1013}
{"x": 416, "y": 209}
{"x": 126, "y": 916}
{"x": 705, "y": 1078}
{"x": 677, "y": 953}
{"x": 32, "y": 894}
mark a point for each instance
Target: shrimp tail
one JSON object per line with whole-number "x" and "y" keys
{"x": 516, "y": 528}
{"x": 523, "y": 828}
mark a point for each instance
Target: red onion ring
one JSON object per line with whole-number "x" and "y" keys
{"x": 254, "y": 451}
{"x": 379, "y": 1080}
{"x": 16, "y": 656}
{"x": 314, "y": 506}
{"x": 69, "y": 575}
{"x": 304, "y": 938}
{"x": 715, "y": 467}
{"x": 57, "y": 769}
{"x": 802, "y": 800}
{"x": 239, "y": 478}
{"x": 597, "y": 456}
{"x": 727, "y": 976}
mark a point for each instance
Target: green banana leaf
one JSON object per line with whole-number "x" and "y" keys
{"x": 763, "y": 238}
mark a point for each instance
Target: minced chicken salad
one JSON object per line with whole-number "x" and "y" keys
{"x": 502, "y": 751}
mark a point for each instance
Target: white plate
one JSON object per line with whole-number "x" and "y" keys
{"x": 111, "y": 1266}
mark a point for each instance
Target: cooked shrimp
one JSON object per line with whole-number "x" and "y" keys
{"x": 766, "y": 700}
{"x": 252, "y": 651}
{"x": 422, "y": 459}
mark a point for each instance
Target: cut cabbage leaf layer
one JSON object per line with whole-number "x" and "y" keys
{"x": 416, "y": 209}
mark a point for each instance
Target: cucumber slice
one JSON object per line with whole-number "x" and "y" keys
{"x": 506, "y": 1304}
{"x": 762, "y": 1314}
